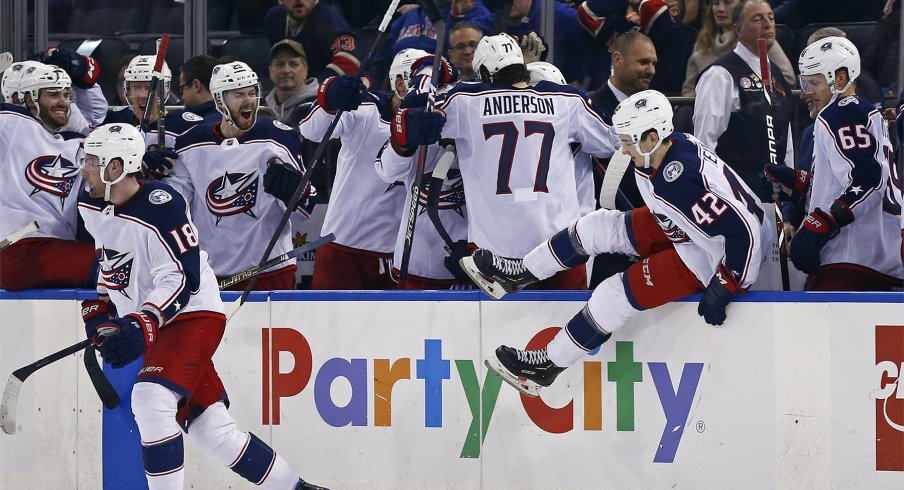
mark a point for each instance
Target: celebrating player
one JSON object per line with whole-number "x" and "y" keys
{"x": 158, "y": 297}
{"x": 851, "y": 195}
{"x": 39, "y": 174}
{"x": 702, "y": 230}
{"x": 222, "y": 166}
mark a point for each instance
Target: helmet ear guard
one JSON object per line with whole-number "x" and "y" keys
{"x": 825, "y": 57}
{"x": 640, "y": 113}
{"x": 115, "y": 141}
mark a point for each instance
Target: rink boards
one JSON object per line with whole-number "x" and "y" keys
{"x": 388, "y": 390}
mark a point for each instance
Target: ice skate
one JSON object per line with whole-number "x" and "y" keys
{"x": 495, "y": 275}
{"x": 526, "y": 370}
{"x": 303, "y": 485}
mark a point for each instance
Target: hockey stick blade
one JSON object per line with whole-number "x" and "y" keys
{"x": 10, "y": 397}
{"x": 6, "y": 60}
{"x": 431, "y": 10}
{"x": 19, "y": 234}
{"x": 102, "y": 386}
{"x": 618, "y": 165}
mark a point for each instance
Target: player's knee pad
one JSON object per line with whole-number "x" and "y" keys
{"x": 604, "y": 231}
{"x": 585, "y": 332}
{"x": 609, "y": 304}
{"x": 154, "y": 407}
{"x": 566, "y": 247}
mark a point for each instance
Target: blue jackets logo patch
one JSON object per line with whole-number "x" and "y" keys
{"x": 232, "y": 194}
{"x": 115, "y": 270}
{"x": 53, "y": 174}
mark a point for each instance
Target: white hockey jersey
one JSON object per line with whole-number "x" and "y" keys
{"x": 364, "y": 211}
{"x": 427, "y": 252}
{"x": 707, "y": 211}
{"x": 40, "y": 176}
{"x": 222, "y": 180}
{"x": 149, "y": 254}
{"x": 852, "y": 164}
{"x": 516, "y": 162}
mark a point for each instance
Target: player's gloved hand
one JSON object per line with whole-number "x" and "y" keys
{"x": 721, "y": 289}
{"x": 795, "y": 182}
{"x": 531, "y": 47}
{"x": 415, "y": 127}
{"x": 158, "y": 162}
{"x": 458, "y": 251}
{"x": 96, "y": 312}
{"x": 83, "y": 70}
{"x": 280, "y": 181}
{"x": 122, "y": 340}
{"x": 447, "y": 73}
{"x": 818, "y": 228}
{"x": 344, "y": 92}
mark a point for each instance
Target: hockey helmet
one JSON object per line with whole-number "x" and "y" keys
{"x": 12, "y": 79}
{"x": 39, "y": 76}
{"x": 495, "y": 53}
{"x": 141, "y": 69}
{"x": 640, "y": 113}
{"x": 825, "y": 57}
{"x": 111, "y": 141}
{"x": 231, "y": 76}
{"x": 543, "y": 71}
{"x": 401, "y": 64}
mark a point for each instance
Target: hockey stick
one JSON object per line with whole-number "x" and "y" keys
{"x": 612, "y": 178}
{"x": 291, "y": 254}
{"x": 6, "y": 60}
{"x": 773, "y": 159}
{"x": 108, "y": 395}
{"x": 14, "y": 384}
{"x": 19, "y": 234}
{"x": 440, "y": 28}
{"x": 162, "y": 44}
{"x": 435, "y": 187}
{"x": 318, "y": 155}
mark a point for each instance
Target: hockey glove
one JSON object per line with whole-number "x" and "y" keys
{"x": 96, "y": 312}
{"x": 459, "y": 251}
{"x": 345, "y": 92}
{"x": 415, "y": 127}
{"x": 122, "y": 340}
{"x": 159, "y": 162}
{"x": 795, "y": 182}
{"x": 280, "y": 181}
{"x": 448, "y": 74}
{"x": 83, "y": 70}
{"x": 819, "y": 227}
{"x": 722, "y": 287}
{"x": 531, "y": 47}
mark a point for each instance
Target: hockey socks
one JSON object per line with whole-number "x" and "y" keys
{"x": 581, "y": 335}
{"x": 563, "y": 251}
{"x": 154, "y": 407}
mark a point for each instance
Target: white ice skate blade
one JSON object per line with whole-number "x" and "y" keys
{"x": 525, "y": 386}
{"x": 488, "y": 285}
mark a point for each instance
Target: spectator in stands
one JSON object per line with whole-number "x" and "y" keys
{"x": 463, "y": 39}
{"x": 716, "y": 39}
{"x": 291, "y": 85}
{"x": 194, "y": 85}
{"x": 731, "y": 119}
{"x": 329, "y": 41}
{"x": 413, "y": 30}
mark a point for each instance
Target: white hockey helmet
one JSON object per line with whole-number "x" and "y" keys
{"x": 401, "y": 65}
{"x": 42, "y": 77}
{"x": 640, "y": 113}
{"x": 825, "y": 57}
{"x": 543, "y": 71}
{"x": 231, "y": 76}
{"x": 495, "y": 53}
{"x": 12, "y": 80}
{"x": 141, "y": 69}
{"x": 112, "y": 141}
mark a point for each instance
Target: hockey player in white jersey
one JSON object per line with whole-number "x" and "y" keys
{"x": 364, "y": 211}
{"x": 702, "y": 229}
{"x": 850, "y": 240}
{"x": 39, "y": 175}
{"x": 513, "y": 143}
{"x": 237, "y": 175}
{"x": 158, "y": 297}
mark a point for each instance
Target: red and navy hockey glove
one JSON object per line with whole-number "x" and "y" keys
{"x": 414, "y": 127}
{"x": 795, "y": 182}
{"x": 83, "y": 70}
{"x": 343, "y": 92}
{"x": 122, "y": 340}
{"x": 448, "y": 74}
{"x": 819, "y": 227}
{"x": 280, "y": 181}
{"x": 96, "y": 312}
{"x": 158, "y": 162}
{"x": 718, "y": 294}
{"x": 458, "y": 251}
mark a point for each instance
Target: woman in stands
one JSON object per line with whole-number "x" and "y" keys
{"x": 716, "y": 38}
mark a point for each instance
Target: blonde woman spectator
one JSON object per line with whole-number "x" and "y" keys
{"x": 716, "y": 38}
